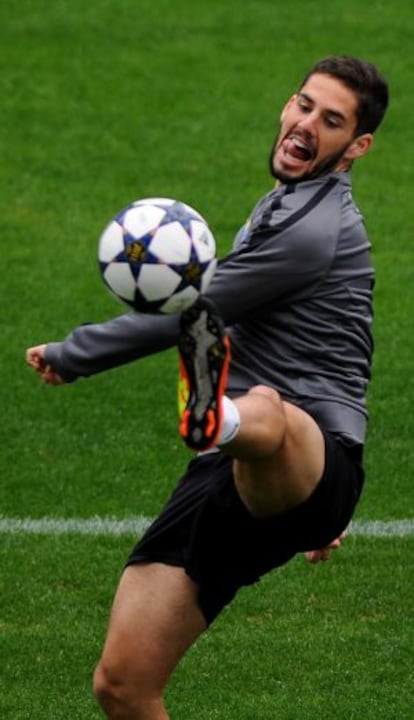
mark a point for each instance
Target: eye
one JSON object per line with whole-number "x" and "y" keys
{"x": 332, "y": 121}
{"x": 304, "y": 105}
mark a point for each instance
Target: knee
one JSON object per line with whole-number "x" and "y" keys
{"x": 107, "y": 689}
{"x": 264, "y": 420}
{"x": 267, "y": 392}
{"x": 112, "y": 693}
{"x": 122, "y": 697}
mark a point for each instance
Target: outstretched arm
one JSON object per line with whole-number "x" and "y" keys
{"x": 93, "y": 348}
{"x": 259, "y": 271}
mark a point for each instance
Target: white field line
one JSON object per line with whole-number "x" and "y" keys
{"x": 137, "y": 525}
{"x": 74, "y": 526}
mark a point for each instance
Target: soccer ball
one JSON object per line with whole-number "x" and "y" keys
{"x": 157, "y": 255}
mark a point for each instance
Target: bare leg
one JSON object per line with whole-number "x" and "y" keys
{"x": 154, "y": 620}
{"x": 279, "y": 453}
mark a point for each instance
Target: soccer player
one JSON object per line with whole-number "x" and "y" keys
{"x": 279, "y": 428}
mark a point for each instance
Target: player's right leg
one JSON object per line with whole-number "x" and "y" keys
{"x": 154, "y": 620}
{"x": 278, "y": 449}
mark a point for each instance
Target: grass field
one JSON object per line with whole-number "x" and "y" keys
{"x": 110, "y": 101}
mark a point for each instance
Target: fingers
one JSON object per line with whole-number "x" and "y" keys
{"x": 337, "y": 542}
{"x": 323, "y": 554}
{"x": 50, "y": 377}
{"x": 315, "y": 556}
{"x": 35, "y": 358}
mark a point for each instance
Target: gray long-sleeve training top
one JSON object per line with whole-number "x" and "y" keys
{"x": 296, "y": 295}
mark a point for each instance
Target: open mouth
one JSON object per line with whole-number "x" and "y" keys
{"x": 294, "y": 154}
{"x": 300, "y": 150}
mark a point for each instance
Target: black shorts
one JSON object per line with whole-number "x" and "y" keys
{"x": 206, "y": 529}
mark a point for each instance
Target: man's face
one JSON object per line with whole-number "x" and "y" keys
{"x": 317, "y": 131}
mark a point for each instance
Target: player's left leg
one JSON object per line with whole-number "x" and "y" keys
{"x": 155, "y": 618}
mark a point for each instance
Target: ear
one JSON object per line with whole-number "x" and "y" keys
{"x": 287, "y": 106}
{"x": 359, "y": 147}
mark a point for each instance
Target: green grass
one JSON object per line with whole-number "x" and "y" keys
{"x": 110, "y": 101}
{"x": 332, "y": 641}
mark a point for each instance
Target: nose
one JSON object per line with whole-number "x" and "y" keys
{"x": 309, "y": 122}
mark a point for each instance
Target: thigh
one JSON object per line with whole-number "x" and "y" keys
{"x": 154, "y": 620}
{"x": 287, "y": 478}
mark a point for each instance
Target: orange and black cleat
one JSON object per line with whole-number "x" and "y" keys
{"x": 204, "y": 351}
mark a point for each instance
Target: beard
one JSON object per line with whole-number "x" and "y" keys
{"x": 321, "y": 168}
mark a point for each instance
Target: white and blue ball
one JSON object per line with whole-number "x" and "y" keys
{"x": 157, "y": 255}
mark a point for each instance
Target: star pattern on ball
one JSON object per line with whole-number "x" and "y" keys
{"x": 179, "y": 213}
{"x": 157, "y": 255}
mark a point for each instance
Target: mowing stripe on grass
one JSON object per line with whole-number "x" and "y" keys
{"x": 137, "y": 525}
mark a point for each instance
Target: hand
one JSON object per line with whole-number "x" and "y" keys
{"x": 35, "y": 358}
{"x": 315, "y": 556}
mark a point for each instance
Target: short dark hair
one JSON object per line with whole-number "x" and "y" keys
{"x": 365, "y": 80}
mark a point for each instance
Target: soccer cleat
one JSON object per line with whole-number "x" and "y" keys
{"x": 204, "y": 351}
